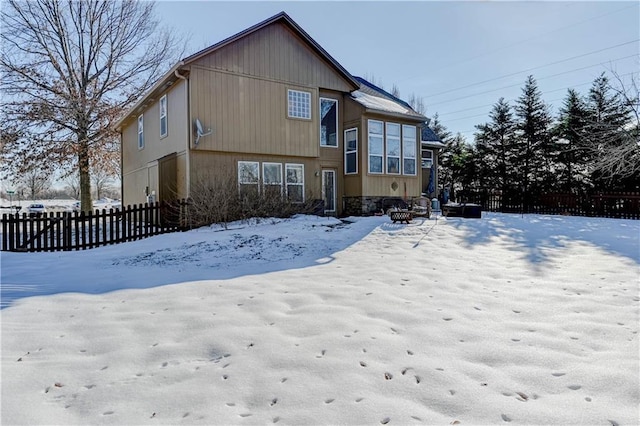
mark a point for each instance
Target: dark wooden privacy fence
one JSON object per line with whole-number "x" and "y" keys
{"x": 622, "y": 205}
{"x": 80, "y": 231}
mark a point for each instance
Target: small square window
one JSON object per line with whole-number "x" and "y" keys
{"x": 299, "y": 104}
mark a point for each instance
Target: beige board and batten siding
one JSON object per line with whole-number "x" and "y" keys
{"x": 207, "y": 166}
{"x": 276, "y": 53}
{"x": 139, "y": 166}
{"x": 240, "y": 92}
{"x": 353, "y": 119}
{"x": 247, "y": 114}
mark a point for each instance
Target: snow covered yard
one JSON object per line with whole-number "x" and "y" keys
{"x": 505, "y": 319}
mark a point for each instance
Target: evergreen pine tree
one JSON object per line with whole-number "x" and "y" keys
{"x": 536, "y": 152}
{"x": 573, "y": 155}
{"x": 455, "y": 161}
{"x": 495, "y": 149}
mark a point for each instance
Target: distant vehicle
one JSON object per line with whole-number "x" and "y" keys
{"x": 75, "y": 207}
{"x": 107, "y": 203}
{"x": 35, "y": 210}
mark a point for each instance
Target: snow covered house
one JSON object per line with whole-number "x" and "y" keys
{"x": 271, "y": 107}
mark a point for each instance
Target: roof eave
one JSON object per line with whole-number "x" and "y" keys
{"x": 165, "y": 80}
{"x": 433, "y": 144}
{"x": 416, "y": 118}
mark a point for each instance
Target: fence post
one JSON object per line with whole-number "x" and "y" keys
{"x": 5, "y": 234}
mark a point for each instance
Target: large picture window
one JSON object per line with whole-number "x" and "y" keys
{"x": 409, "y": 150}
{"x": 272, "y": 178}
{"x": 295, "y": 182}
{"x": 163, "y": 116}
{"x": 248, "y": 177}
{"x": 140, "y": 131}
{"x": 376, "y": 146}
{"x": 299, "y": 104}
{"x": 328, "y": 122}
{"x": 351, "y": 151}
{"x": 393, "y": 148}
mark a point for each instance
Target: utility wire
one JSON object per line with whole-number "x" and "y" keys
{"x": 526, "y": 40}
{"x": 534, "y": 68}
{"x": 547, "y": 102}
{"x": 518, "y": 84}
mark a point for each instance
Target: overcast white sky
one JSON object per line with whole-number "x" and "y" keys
{"x": 444, "y": 51}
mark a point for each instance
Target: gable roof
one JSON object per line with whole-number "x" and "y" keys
{"x": 173, "y": 74}
{"x": 286, "y": 19}
{"x": 429, "y": 135}
{"x": 429, "y": 139}
{"x": 376, "y": 99}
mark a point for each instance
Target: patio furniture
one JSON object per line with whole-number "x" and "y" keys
{"x": 401, "y": 216}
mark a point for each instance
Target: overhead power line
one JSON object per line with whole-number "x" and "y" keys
{"x": 634, "y": 4}
{"x": 534, "y": 68}
{"x": 544, "y": 93}
{"x": 518, "y": 84}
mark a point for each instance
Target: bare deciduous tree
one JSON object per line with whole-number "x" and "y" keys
{"x": 34, "y": 183}
{"x": 417, "y": 103}
{"x": 69, "y": 69}
{"x": 619, "y": 156}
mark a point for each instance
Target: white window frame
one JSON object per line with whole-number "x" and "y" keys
{"x": 264, "y": 174}
{"x": 369, "y": 155}
{"x": 287, "y": 183}
{"x": 296, "y": 108}
{"x": 423, "y": 150}
{"x": 387, "y": 153}
{"x": 141, "y": 131}
{"x": 241, "y": 182}
{"x": 337, "y": 142}
{"x": 347, "y": 151}
{"x": 164, "y": 116}
{"x": 413, "y": 143}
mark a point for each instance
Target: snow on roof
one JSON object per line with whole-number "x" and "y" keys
{"x": 378, "y": 103}
{"x": 433, "y": 144}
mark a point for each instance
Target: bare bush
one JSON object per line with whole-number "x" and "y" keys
{"x": 216, "y": 198}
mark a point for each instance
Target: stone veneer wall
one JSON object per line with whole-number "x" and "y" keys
{"x": 362, "y": 206}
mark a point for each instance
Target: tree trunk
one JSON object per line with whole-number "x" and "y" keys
{"x": 85, "y": 179}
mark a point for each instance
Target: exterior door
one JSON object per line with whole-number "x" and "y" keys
{"x": 329, "y": 191}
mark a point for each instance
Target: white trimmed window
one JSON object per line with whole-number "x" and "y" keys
{"x": 409, "y": 150}
{"x": 295, "y": 182}
{"x": 140, "y": 131}
{"x": 299, "y": 104}
{"x": 427, "y": 158}
{"x": 163, "y": 116}
{"x": 393, "y": 148}
{"x": 328, "y": 122}
{"x": 248, "y": 177}
{"x": 272, "y": 178}
{"x": 351, "y": 151}
{"x": 376, "y": 146}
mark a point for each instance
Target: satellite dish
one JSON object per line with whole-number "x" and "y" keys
{"x": 200, "y": 132}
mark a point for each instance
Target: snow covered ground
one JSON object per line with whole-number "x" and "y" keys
{"x": 504, "y": 319}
